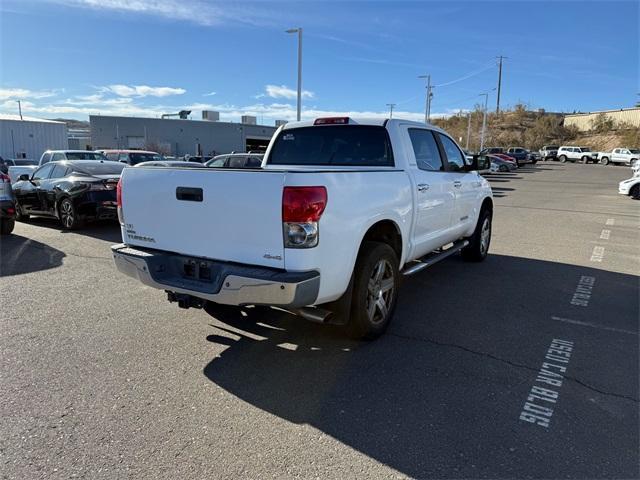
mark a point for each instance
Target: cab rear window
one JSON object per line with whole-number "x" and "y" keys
{"x": 339, "y": 145}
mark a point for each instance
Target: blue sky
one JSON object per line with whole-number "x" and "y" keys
{"x": 72, "y": 58}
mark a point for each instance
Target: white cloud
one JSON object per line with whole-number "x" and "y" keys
{"x": 20, "y": 93}
{"x": 210, "y": 94}
{"x": 282, "y": 91}
{"x": 201, "y": 12}
{"x": 142, "y": 91}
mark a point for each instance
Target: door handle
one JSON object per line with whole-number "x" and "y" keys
{"x": 423, "y": 187}
{"x": 457, "y": 184}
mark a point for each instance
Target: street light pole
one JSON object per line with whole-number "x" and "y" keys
{"x": 468, "y": 130}
{"x": 19, "y": 108}
{"x": 484, "y": 119}
{"x": 299, "y": 32}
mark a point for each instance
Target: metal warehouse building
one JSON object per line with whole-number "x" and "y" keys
{"x": 178, "y": 136}
{"x": 585, "y": 121}
{"x": 29, "y": 137}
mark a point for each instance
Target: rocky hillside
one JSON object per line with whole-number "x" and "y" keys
{"x": 523, "y": 128}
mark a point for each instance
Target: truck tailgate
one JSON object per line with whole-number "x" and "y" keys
{"x": 229, "y": 215}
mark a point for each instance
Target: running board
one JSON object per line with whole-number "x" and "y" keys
{"x": 433, "y": 258}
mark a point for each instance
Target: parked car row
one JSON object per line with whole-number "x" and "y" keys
{"x": 574, "y": 153}
{"x": 77, "y": 186}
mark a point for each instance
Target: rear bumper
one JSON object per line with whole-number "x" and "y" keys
{"x": 220, "y": 282}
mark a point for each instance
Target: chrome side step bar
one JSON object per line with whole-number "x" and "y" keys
{"x": 433, "y": 258}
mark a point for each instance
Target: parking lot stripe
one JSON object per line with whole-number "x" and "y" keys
{"x": 605, "y": 234}
{"x": 594, "y": 325}
{"x": 598, "y": 254}
{"x": 610, "y": 221}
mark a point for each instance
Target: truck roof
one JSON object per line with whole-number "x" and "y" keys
{"x": 360, "y": 121}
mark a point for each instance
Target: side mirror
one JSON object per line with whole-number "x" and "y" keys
{"x": 24, "y": 177}
{"x": 479, "y": 162}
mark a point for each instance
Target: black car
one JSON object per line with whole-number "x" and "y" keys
{"x": 72, "y": 191}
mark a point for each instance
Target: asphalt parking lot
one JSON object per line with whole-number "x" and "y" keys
{"x": 524, "y": 366}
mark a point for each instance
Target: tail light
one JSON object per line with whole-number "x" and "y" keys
{"x": 302, "y": 208}
{"x": 119, "y": 201}
{"x": 4, "y": 178}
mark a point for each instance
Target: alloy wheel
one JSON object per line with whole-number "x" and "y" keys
{"x": 67, "y": 214}
{"x": 380, "y": 292}
{"x": 485, "y": 236}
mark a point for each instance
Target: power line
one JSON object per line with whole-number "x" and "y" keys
{"x": 472, "y": 74}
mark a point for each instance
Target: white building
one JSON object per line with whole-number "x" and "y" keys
{"x": 29, "y": 137}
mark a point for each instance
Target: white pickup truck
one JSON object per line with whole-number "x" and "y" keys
{"x": 626, "y": 156}
{"x": 339, "y": 211}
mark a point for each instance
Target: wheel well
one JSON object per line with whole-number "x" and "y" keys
{"x": 488, "y": 204}
{"x": 387, "y": 232}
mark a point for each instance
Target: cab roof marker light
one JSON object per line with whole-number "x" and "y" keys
{"x": 331, "y": 121}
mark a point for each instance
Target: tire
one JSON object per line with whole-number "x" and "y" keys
{"x": 479, "y": 242}
{"x": 503, "y": 168}
{"x": 68, "y": 215}
{"x": 375, "y": 291}
{"x": 635, "y": 192}
{"x": 21, "y": 217}
{"x": 604, "y": 160}
{"x": 533, "y": 162}
{"x": 6, "y": 226}
{"x": 562, "y": 158}
{"x": 585, "y": 159}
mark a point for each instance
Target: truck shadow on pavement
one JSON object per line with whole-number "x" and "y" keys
{"x": 439, "y": 395}
{"x": 108, "y": 231}
{"x": 19, "y": 255}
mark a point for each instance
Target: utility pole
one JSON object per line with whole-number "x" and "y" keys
{"x": 500, "y": 58}
{"x": 19, "y": 108}
{"x": 484, "y": 120}
{"x": 466, "y": 147}
{"x": 427, "y": 107}
{"x": 299, "y": 32}
{"x": 391, "y": 105}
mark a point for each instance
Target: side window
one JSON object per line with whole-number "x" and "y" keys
{"x": 237, "y": 162}
{"x": 43, "y": 172}
{"x": 426, "y": 150}
{"x": 455, "y": 159}
{"x": 57, "y": 156}
{"x": 46, "y": 158}
{"x": 59, "y": 171}
{"x": 112, "y": 156}
{"x": 124, "y": 157}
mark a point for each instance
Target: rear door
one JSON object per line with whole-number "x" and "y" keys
{"x": 229, "y": 215}
{"x": 465, "y": 185}
{"x": 48, "y": 188}
{"x": 433, "y": 193}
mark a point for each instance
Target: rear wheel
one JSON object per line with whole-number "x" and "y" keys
{"x": 375, "y": 290}
{"x": 562, "y": 158}
{"x": 635, "y": 192}
{"x": 585, "y": 159}
{"x": 503, "y": 168}
{"x": 68, "y": 215}
{"x": 479, "y": 242}
{"x": 6, "y": 226}
{"x": 604, "y": 161}
{"x": 21, "y": 217}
